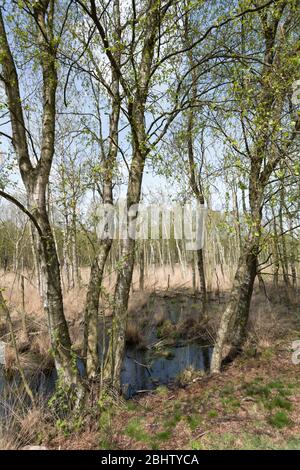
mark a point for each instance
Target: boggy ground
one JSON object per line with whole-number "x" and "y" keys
{"x": 146, "y": 309}
{"x": 253, "y": 404}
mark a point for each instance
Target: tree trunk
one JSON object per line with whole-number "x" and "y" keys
{"x": 35, "y": 256}
{"x": 237, "y": 311}
{"x": 276, "y": 259}
{"x": 142, "y": 267}
{"x": 201, "y": 271}
{"x": 115, "y": 354}
{"x": 36, "y": 181}
{"x": 91, "y": 323}
{"x": 53, "y": 301}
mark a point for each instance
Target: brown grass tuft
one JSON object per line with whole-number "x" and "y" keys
{"x": 134, "y": 336}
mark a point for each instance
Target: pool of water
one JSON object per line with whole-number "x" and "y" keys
{"x": 143, "y": 370}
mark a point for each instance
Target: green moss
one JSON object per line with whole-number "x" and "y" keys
{"x": 293, "y": 443}
{"x": 194, "y": 421}
{"x": 280, "y": 420}
{"x": 163, "y": 435}
{"x": 162, "y": 391}
{"x": 167, "y": 330}
{"x": 230, "y": 404}
{"x": 268, "y": 353}
{"x": 256, "y": 390}
{"x": 222, "y": 441}
{"x": 195, "y": 445}
{"x": 135, "y": 430}
{"x": 279, "y": 402}
{"x": 212, "y": 414}
{"x": 131, "y": 405}
{"x": 253, "y": 442}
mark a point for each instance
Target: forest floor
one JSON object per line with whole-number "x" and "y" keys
{"x": 253, "y": 404}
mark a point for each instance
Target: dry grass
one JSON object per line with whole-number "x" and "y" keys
{"x": 134, "y": 335}
{"x": 156, "y": 280}
{"x": 202, "y": 414}
{"x": 264, "y": 314}
{"x": 270, "y": 321}
{"x": 159, "y": 316}
{"x": 21, "y": 425}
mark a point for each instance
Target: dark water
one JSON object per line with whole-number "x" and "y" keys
{"x": 145, "y": 370}
{"x": 142, "y": 369}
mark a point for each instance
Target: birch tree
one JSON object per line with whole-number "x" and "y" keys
{"x": 40, "y": 18}
{"x": 268, "y": 136}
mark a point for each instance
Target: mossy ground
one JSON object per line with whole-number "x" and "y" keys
{"x": 253, "y": 404}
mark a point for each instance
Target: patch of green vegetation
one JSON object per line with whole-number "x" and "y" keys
{"x": 272, "y": 395}
{"x": 248, "y": 441}
{"x": 194, "y": 421}
{"x": 172, "y": 414}
{"x": 224, "y": 441}
{"x": 167, "y": 330}
{"x": 280, "y": 420}
{"x": 255, "y": 389}
{"x": 255, "y": 442}
{"x": 131, "y": 405}
{"x": 195, "y": 445}
{"x": 172, "y": 420}
{"x": 106, "y": 444}
{"x": 283, "y": 389}
{"x": 163, "y": 436}
{"x": 106, "y": 428}
{"x": 293, "y": 443}
{"x": 230, "y": 404}
{"x": 279, "y": 402}
{"x": 162, "y": 391}
{"x": 241, "y": 441}
{"x": 292, "y": 386}
{"x": 268, "y": 353}
{"x": 212, "y": 414}
{"x": 135, "y": 430}
{"x": 227, "y": 390}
